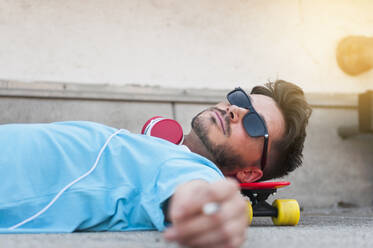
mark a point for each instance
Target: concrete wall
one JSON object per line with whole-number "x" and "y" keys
{"x": 335, "y": 171}
{"x": 183, "y": 44}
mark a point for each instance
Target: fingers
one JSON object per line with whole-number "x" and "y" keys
{"x": 218, "y": 232}
{"x": 189, "y": 198}
{"x": 185, "y": 200}
{"x": 226, "y": 228}
{"x": 228, "y": 211}
{"x": 229, "y": 235}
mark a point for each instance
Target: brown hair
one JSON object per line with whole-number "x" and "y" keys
{"x": 290, "y": 99}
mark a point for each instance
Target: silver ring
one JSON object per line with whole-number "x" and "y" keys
{"x": 210, "y": 208}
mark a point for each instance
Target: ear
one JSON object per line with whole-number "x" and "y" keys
{"x": 249, "y": 175}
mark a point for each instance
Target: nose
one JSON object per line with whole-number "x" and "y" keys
{"x": 235, "y": 113}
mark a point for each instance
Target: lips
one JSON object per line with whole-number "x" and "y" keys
{"x": 221, "y": 121}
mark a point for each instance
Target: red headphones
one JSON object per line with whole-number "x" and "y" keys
{"x": 164, "y": 128}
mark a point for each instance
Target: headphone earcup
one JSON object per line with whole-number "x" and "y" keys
{"x": 164, "y": 128}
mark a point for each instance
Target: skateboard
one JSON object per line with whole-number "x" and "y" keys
{"x": 284, "y": 212}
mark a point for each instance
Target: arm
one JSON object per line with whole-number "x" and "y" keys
{"x": 225, "y": 228}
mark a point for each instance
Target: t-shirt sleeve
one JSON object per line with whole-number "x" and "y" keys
{"x": 172, "y": 174}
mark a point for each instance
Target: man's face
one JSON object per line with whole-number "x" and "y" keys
{"x": 222, "y": 133}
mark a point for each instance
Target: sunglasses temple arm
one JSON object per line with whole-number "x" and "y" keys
{"x": 265, "y": 150}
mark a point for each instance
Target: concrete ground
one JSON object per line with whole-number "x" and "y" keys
{"x": 335, "y": 227}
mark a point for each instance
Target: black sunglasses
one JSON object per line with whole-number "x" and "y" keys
{"x": 252, "y": 121}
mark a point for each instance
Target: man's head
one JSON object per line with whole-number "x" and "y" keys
{"x": 233, "y": 133}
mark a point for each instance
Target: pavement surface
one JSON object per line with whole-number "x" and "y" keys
{"x": 334, "y": 227}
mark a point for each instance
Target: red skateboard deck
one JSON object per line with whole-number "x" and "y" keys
{"x": 264, "y": 185}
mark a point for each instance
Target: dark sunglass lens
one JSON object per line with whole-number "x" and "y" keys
{"x": 238, "y": 98}
{"x": 254, "y": 125}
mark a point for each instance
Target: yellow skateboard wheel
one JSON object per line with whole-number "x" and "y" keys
{"x": 249, "y": 213}
{"x": 288, "y": 212}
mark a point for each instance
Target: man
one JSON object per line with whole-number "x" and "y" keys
{"x": 83, "y": 176}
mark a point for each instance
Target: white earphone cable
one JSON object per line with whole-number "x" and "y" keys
{"x": 68, "y": 185}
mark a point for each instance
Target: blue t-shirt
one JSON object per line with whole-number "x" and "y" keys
{"x": 135, "y": 175}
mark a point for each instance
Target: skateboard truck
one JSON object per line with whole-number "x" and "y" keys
{"x": 284, "y": 212}
{"x": 259, "y": 202}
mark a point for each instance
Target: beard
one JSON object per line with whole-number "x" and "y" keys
{"x": 222, "y": 155}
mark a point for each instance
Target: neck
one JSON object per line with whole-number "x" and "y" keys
{"x": 194, "y": 143}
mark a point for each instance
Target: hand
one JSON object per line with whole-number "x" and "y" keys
{"x": 191, "y": 227}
